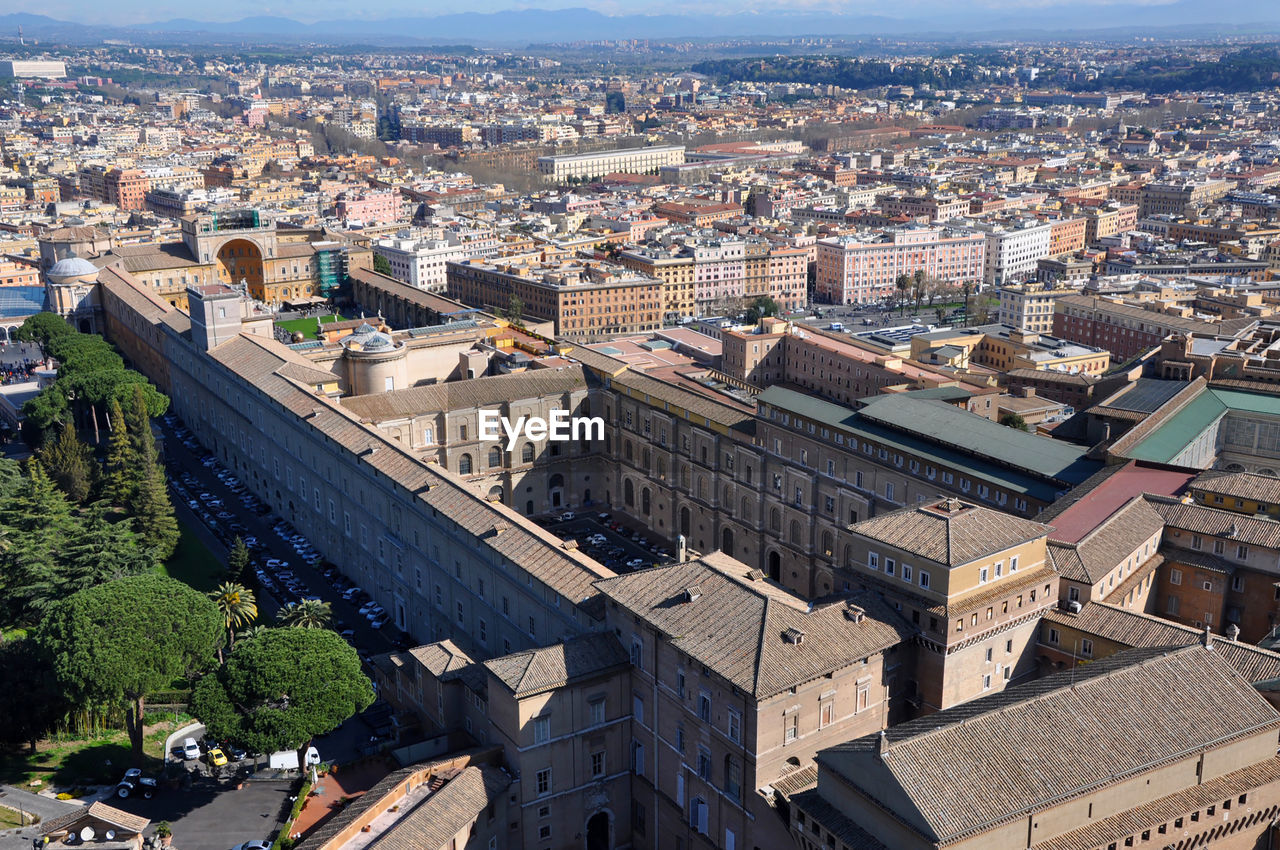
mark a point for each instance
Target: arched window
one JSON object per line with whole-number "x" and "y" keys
{"x": 746, "y": 509}
{"x": 848, "y": 555}
{"x": 526, "y": 454}
{"x": 628, "y": 493}
{"x": 828, "y": 544}
{"x": 626, "y": 449}
{"x": 464, "y": 465}
{"x": 645, "y": 458}
{"x": 495, "y": 458}
{"x": 726, "y": 541}
{"x": 662, "y": 468}
{"x": 775, "y": 519}
{"x": 644, "y": 500}
{"x": 795, "y": 531}
{"x": 684, "y": 521}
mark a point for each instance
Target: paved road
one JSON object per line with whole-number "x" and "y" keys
{"x": 45, "y": 807}
{"x": 213, "y": 816}
{"x": 342, "y": 745}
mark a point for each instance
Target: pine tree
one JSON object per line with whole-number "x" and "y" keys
{"x": 237, "y": 560}
{"x": 141, "y": 438}
{"x": 118, "y": 483}
{"x": 99, "y": 550}
{"x": 37, "y": 520}
{"x": 153, "y": 519}
{"x": 70, "y": 464}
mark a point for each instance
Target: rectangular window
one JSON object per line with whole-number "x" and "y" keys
{"x": 704, "y": 763}
{"x": 637, "y": 708}
{"x": 906, "y": 573}
{"x": 1013, "y": 564}
{"x": 1175, "y": 576}
{"x": 982, "y": 576}
{"x": 826, "y": 713}
{"x": 735, "y": 726}
{"x": 704, "y": 706}
{"x": 873, "y": 560}
{"x": 889, "y": 566}
{"x": 792, "y": 727}
{"x": 1054, "y": 637}
{"x": 1086, "y": 647}
{"x": 541, "y": 730}
{"x": 597, "y": 711}
{"x": 924, "y": 579}
{"x": 543, "y": 781}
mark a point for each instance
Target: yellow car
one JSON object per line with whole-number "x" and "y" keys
{"x": 216, "y": 757}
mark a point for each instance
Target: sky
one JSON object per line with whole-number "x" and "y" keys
{"x": 307, "y": 11}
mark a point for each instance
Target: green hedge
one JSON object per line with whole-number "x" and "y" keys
{"x": 284, "y": 841}
{"x": 177, "y": 696}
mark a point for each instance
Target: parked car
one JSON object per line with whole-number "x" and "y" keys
{"x": 253, "y": 845}
{"x": 217, "y": 757}
{"x": 135, "y": 783}
{"x": 190, "y": 749}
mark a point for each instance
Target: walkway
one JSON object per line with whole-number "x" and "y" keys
{"x": 350, "y": 781}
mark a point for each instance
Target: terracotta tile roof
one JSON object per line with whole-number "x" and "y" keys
{"x": 433, "y": 823}
{"x": 487, "y": 392}
{"x": 1242, "y": 485}
{"x": 441, "y": 658}
{"x": 958, "y": 772}
{"x": 1136, "y": 629}
{"x": 1103, "y": 549}
{"x": 950, "y": 531}
{"x": 99, "y": 811}
{"x": 745, "y": 630}
{"x": 548, "y": 667}
{"x": 1212, "y": 522}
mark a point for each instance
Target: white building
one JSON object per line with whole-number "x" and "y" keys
{"x": 624, "y": 161}
{"x": 33, "y": 68}
{"x": 1013, "y": 250}
{"x": 421, "y": 262}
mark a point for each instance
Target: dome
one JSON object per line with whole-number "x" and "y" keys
{"x": 70, "y": 268}
{"x": 364, "y": 329}
{"x": 379, "y": 342}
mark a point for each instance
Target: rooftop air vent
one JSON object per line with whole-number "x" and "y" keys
{"x": 793, "y": 636}
{"x": 692, "y": 593}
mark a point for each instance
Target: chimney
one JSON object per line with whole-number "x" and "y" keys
{"x": 1233, "y": 632}
{"x": 882, "y": 745}
{"x": 682, "y": 549}
{"x": 1207, "y": 639}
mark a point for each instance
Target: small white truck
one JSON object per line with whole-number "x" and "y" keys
{"x": 288, "y": 759}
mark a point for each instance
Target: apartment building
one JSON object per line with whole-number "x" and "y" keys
{"x": 1030, "y": 306}
{"x": 1002, "y": 347}
{"x": 622, "y": 161}
{"x": 674, "y": 267}
{"x": 1123, "y": 329}
{"x": 1013, "y": 250}
{"x": 935, "y": 208}
{"x": 422, "y": 262}
{"x": 864, "y": 267}
{"x": 1181, "y": 198}
{"x": 736, "y": 683}
{"x": 1097, "y": 778}
{"x": 584, "y": 299}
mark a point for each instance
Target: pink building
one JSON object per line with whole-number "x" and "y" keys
{"x": 865, "y": 267}
{"x": 369, "y": 207}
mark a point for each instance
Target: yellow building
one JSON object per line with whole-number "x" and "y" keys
{"x": 1003, "y": 347}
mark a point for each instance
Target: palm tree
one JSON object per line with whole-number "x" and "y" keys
{"x": 237, "y": 605}
{"x": 307, "y": 614}
{"x": 903, "y": 284}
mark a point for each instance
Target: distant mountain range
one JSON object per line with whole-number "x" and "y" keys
{"x": 562, "y": 25}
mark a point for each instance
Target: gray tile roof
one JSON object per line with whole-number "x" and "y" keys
{"x": 547, "y": 667}
{"x": 966, "y": 769}
{"x": 441, "y": 658}
{"x": 736, "y": 626}
{"x": 950, "y": 531}
{"x": 487, "y": 392}
{"x": 436, "y": 820}
{"x": 1134, "y": 628}
{"x": 1200, "y": 519}
{"x": 1243, "y": 485}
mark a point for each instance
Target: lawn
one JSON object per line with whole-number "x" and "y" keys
{"x": 11, "y": 819}
{"x": 308, "y": 325}
{"x": 99, "y": 760}
{"x": 193, "y": 563}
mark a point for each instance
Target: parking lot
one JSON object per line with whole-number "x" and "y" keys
{"x": 214, "y": 816}
{"x": 601, "y": 536}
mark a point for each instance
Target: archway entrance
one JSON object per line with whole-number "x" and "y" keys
{"x": 726, "y": 541}
{"x": 240, "y": 259}
{"x": 555, "y": 490}
{"x": 775, "y": 566}
{"x": 598, "y": 832}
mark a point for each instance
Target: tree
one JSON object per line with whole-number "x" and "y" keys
{"x": 237, "y": 559}
{"x": 614, "y": 103}
{"x": 99, "y": 550}
{"x": 761, "y": 307}
{"x": 515, "y": 310}
{"x": 307, "y": 614}
{"x": 32, "y": 710}
{"x": 236, "y": 605}
{"x": 381, "y": 265}
{"x": 1013, "y": 420}
{"x": 36, "y": 522}
{"x": 113, "y": 644}
{"x": 153, "y": 518}
{"x": 918, "y": 281}
{"x": 43, "y": 328}
{"x": 281, "y": 688}
{"x": 70, "y": 463}
{"x": 118, "y": 482}
{"x": 903, "y": 284}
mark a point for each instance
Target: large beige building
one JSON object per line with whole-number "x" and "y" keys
{"x": 622, "y": 161}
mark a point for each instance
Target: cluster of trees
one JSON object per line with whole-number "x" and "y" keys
{"x": 1250, "y": 69}
{"x": 91, "y": 375}
{"x": 920, "y": 288}
{"x": 106, "y": 647}
{"x": 847, "y": 72}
